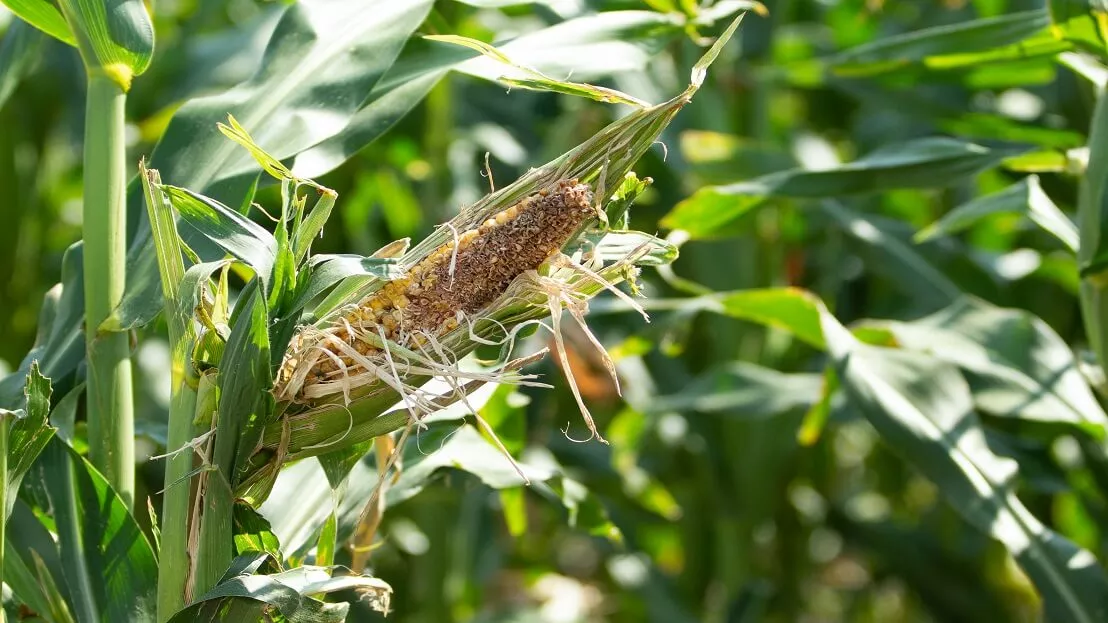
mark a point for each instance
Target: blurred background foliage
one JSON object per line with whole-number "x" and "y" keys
{"x": 711, "y": 503}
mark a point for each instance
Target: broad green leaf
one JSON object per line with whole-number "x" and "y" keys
{"x": 1024, "y": 197}
{"x": 328, "y": 270}
{"x": 922, "y": 163}
{"x": 245, "y": 597}
{"x": 985, "y": 126}
{"x": 923, "y": 409}
{"x": 1017, "y": 366}
{"x": 1084, "y": 22}
{"x": 322, "y": 60}
{"x": 518, "y": 75}
{"x": 253, "y": 534}
{"x": 19, "y": 50}
{"x": 32, "y": 567}
{"x": 236, "y": 234}
{"x": 744, "y": 389}
{"x": 968, "y": 579}
{"x": 28, "y": 432}
{"x": 44, "y": 15}
{"x": 944, "y": 46}
{"x": 107, "y": 563}
{"x": 792, "y": 309}
{"x": 587, "y": 47}
{"x": 894, "y": 257}
{"x": 117, "y": 38}
{"x": 60, "y": 342}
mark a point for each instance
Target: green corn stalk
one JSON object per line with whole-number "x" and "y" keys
{"x": 1092, "y": 217}
{"x": 115, "y": 46}
{"x": 110, "y": 405}
{"x": 173, "y": 561}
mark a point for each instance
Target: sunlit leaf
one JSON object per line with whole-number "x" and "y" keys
{"x": 923, "y": 408}
{"x": 45, "y": 16}
{"x": 921, "y": 163}
{"x": 1025, "y": 197}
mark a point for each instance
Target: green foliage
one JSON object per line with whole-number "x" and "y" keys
{"x": 872, "y": 388}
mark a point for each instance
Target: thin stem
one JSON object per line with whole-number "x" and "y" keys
{"x": 110, "y": 406}
{"x": 173, "y": 560}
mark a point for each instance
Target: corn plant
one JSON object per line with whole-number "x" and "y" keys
{"x": 309, "y": 356}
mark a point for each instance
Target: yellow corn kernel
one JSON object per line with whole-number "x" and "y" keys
{"x": 489, "y": 224}
{"x": 467, "y": 238}
{"x": 401, "y": 301}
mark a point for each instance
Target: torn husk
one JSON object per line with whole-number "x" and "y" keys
{"x": 345, "y": 370}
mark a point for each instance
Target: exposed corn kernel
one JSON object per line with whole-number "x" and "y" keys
{"x": 425, "y": 302}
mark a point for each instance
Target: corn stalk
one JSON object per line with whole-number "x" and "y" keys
{"x": 114, "y": 47}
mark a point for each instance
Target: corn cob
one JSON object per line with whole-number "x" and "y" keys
{"x": 463, "y": 276}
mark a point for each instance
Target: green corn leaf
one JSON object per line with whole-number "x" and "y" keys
{"x": 33, "y": 568}
{"x": 528, "y": 78}
{"x": 19, "y": 50}
{"x": 119, "y": 41}
{"x": 236, "y": 234}
{"x": 923, "y": 409}
{"x": 892, "y": 256}
{"x": 253, "y": 534}
{"x": 60, "y": 343}
{"x": 244, "y": 405}
{"x": 921, "y": 163}
{"x": 45, "y": 16}
{"x": 27, "y": 432}
{"x": 957, "y": 45}
{"x": 744, "y": 390}
{"x": 1016, "y": 365}
{"x": 1024, "y": 197}
{"x": 327, "y": 270}
{"x": 1083, "y": 22}
{"x": 792, "y": 309}
{"x": 105, "y": 558}
{"x": 243, "y": 596}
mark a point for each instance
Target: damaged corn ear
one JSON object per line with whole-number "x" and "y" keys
{"x": 461, "y": 277}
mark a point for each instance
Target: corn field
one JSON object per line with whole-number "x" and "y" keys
{"x": 554, "y": 311}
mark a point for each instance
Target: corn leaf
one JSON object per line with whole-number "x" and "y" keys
{"x": 1024, "y": 197}
{"x": 921, "y": 163}
{"x": 119, "y": 41}
{"x": 60, "y": 343}
{"x": 106, "y": 561}
{"x": 33, "y": 568}
{"x": 1016, "y": 365}
{"x": 923, "y": 409}
{"x": 957, "y": 45}
{"x": 743, "y": 390}
{"x": 45, "y": 16}
{"x": 236, "y": 234}
{"x": 19, "y": 50}
{"x": 244, "y": 404}
{"x": 244, "y": 597}
{"x": 28, "y": 433}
